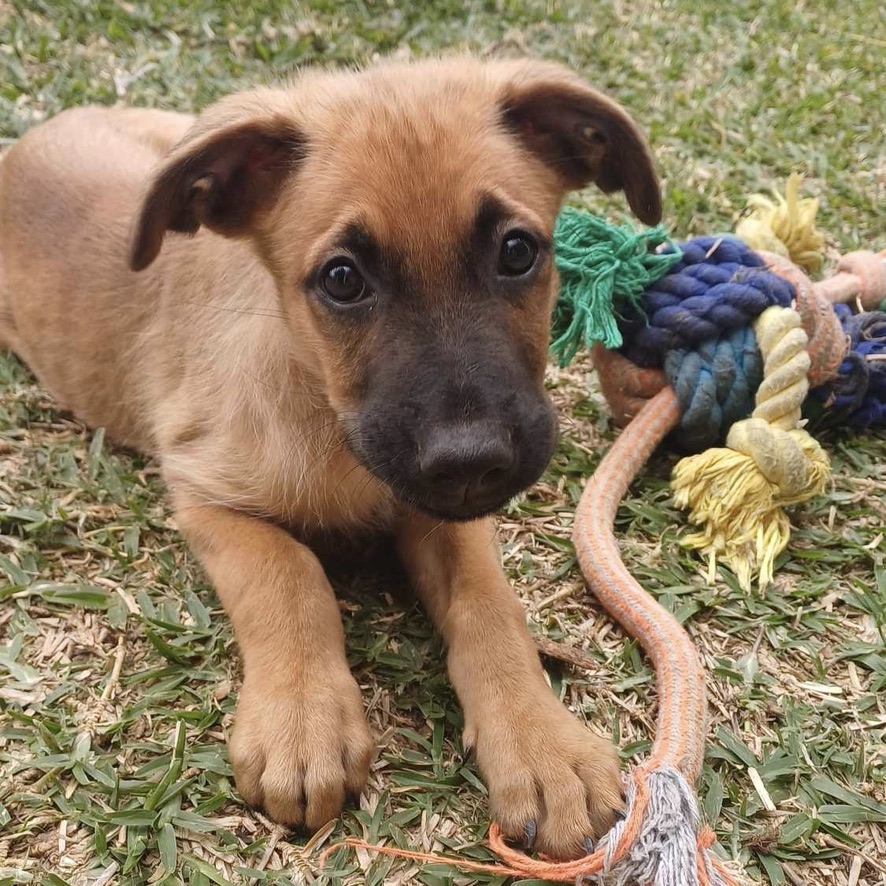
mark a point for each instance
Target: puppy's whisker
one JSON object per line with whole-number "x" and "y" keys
{"x": 431, "y": 531}
{"x": 276, "y": 315}
{"x": 373, "y": 471}
{"x": 325, "y": 454}
{"x": 355, "y": 467}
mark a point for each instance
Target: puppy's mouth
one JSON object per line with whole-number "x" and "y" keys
{"x": 452, "y": 489}
{"x": 460, "y": 507}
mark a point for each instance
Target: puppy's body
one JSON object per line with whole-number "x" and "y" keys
{"x": 274, "y": 398}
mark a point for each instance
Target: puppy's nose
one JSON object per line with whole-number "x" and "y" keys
{"x": 463, "y": 460}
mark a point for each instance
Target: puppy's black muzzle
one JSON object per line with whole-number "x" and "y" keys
{"x": 453, "y": 446}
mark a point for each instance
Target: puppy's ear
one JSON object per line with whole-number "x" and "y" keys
{"x": 225, "y": 170}
{"x": 581, "y": 134}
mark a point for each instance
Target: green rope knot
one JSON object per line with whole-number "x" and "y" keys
{"x": 601, "y": 265}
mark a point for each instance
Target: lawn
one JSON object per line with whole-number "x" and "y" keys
{"x": 119, "y": 671}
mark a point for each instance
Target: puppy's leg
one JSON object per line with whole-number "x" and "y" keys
{"x": 300, "y": 743}
{"x": 544, "y": 770}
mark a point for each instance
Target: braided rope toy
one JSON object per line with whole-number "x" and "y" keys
{"x": 695, "y": 341}
{"x": 718, "y": 328}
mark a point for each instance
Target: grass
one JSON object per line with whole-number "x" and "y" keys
{"x": 119, "y": 669}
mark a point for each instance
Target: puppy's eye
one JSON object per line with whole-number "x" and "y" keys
{"x": 342, "y": 282}
{"x": 518, "y": 254}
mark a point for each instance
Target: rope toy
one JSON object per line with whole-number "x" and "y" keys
{"x": 699, "y": 327}
{"x": 700, "y": 340}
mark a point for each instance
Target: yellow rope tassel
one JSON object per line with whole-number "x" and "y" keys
{"x": 785, "y": 226}
{"x": 737, "y": 495}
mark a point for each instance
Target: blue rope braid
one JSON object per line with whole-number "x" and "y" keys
{"x": 719, "y": 285}
{"x": 695, "y": 322}
{"x": 857, "y": 397}
{"x": 715, "y": 385}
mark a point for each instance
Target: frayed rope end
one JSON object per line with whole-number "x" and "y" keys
{"x": 670, "y": 847}
{"x": 602, "y": 266}
{"x": 661, "y": 842}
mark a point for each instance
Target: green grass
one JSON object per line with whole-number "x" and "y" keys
{"x": 119, "y": 673}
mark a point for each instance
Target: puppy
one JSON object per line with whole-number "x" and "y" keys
{"x": 325, "y": 309}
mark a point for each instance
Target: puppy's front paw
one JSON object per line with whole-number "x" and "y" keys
{"x": 554, "y": 786}
{"x": 299, "y": 751}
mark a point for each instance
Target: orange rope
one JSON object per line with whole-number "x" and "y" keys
{"x": 680, "y": 733}
{"x": 827, "y": 341}
{"x": 463, "y": 864}
{"x": 860, "y": 276}
{"x": 626, "y": 386}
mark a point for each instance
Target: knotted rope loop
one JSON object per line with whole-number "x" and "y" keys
{"x": 738, "y": 494}
{"x": 827, "y": 343}
{"x": 695, "y": 322}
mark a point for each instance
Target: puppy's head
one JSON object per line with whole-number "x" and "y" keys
{"x": 406, "y": 215}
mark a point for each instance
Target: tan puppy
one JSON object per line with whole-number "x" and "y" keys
{"x": 353, "y": 338}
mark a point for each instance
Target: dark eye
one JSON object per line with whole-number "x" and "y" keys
{"x": 342, "y": 282}
{"x": 518, "y": 254}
